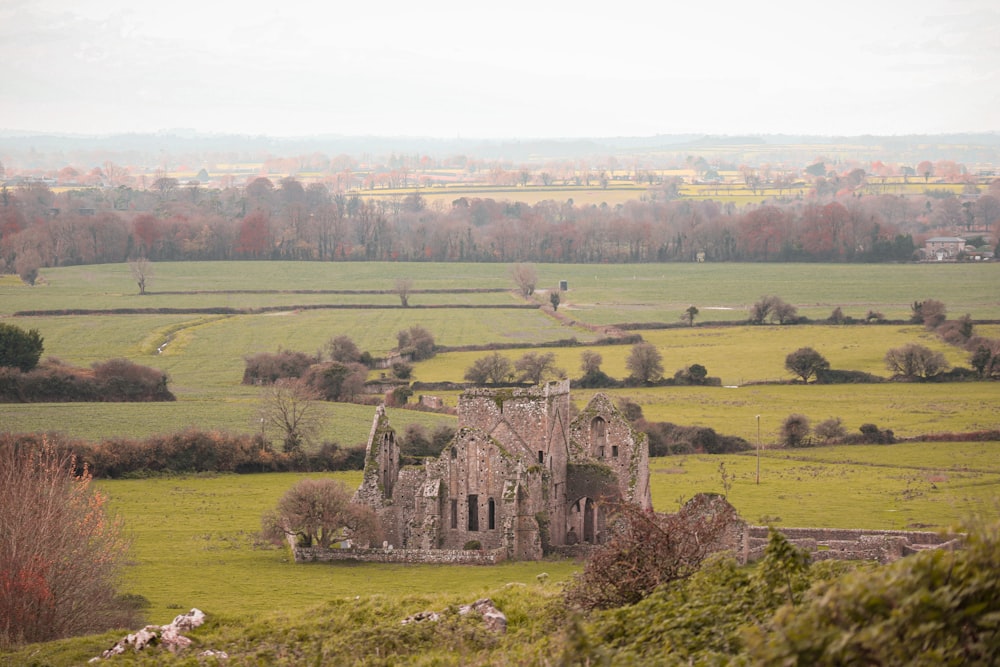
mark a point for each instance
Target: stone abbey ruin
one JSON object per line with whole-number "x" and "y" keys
{"x": 520, "y": 476}
{"x": 521, "y": 479}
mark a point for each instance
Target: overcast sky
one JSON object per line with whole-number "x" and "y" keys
{"x": 511, "y": 69}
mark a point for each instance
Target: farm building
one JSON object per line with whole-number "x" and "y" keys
{"x": 520, "y": 477}
{"x": 944, "y": 247}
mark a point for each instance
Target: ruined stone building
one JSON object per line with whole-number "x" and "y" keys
{"x": 519, "y": 478}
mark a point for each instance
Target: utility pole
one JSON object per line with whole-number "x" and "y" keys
{"x": 758, "y": 450}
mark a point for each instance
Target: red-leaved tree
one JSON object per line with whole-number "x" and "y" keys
{"x": 60, "y": 552}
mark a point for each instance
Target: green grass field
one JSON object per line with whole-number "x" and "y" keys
{"x": 195, "y": 542}
{"x": 203, "y": 354}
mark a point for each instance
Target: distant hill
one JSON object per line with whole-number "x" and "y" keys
{"x": 52, "y": 151}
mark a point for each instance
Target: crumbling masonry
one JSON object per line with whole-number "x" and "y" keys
{"x": 518, "y": 479}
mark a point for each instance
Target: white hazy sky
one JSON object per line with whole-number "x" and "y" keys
{"x": 513, "y": 69}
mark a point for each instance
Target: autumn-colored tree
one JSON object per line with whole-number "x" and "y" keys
{"x": 254, "y": 235}
{"x": 61, "y": 553}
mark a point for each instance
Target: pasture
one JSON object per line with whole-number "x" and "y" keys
{"x": 195, "y": 542}
{"x": 203, "y": 353}
{"x": 195, "y": 538}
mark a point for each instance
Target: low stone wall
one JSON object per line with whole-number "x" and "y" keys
{"x": 414, "y": 556}
{"x": 884, "y": 546}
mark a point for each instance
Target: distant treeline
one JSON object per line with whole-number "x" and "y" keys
{"x": 287, "y": 220}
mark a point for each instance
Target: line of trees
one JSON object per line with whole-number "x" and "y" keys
{"x": 291, "y": 221}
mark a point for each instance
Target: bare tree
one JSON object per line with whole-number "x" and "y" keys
{"x": 26, "y": 265}
{"x": 535, "y": 367}
{"x": 494, "y": 368}
{"x": 404, "y": 286}
{"x": 142, "y": 272}
{"x": 319, "y": 512}
{"x": 289, "y": 406}
{"x": 914, "y": 361}
{"x": 645, "y": 362}
{"x": 590, "y": 362}
{"x": 525, "y": 277}
{"x": 343, "y": 349}
{"x": 772, "y": 308}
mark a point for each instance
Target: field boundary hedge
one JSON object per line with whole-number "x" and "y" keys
{"x": 225, "y": 310}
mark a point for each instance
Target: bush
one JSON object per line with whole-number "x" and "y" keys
{"x": 343, "y": 349}
{"x": 830, "y": 429}
{"x": 60, "y": 553}
{"x": 914, "y": 361}
{"x": 773, "y": 309}
{"x": 935, "y": 607}
{"x": 402, "y": 370}
{"x": 872, "y": 435}
{"x": 268, "y": 368}
{"x": 831, "y": 376}
{"x": 116, "y": 380}
{"x": 417, "y": 342}
{"x": 646, "y": 550}
{"x": 695, "y": 374}
{"x": 956, "y": 332}
{"x": 122, "y": 380}
{"x": 336, "y": 381}
{"x": 931, "y": 313}
{"x": 795, "y": 431}
{"x": 666, "y": 439}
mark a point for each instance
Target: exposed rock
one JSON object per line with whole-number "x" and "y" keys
{"x": 494, "y": 619}
{"x": 168, "y": 636}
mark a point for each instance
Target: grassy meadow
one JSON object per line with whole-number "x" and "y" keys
{"x": 203, "y": 353}
{"x": 195, "y": 542}
{"x": 194, "y": 537}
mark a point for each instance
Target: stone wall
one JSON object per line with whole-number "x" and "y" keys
{"x": 884, "y": 546}
{"x": 405, "y": 556}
